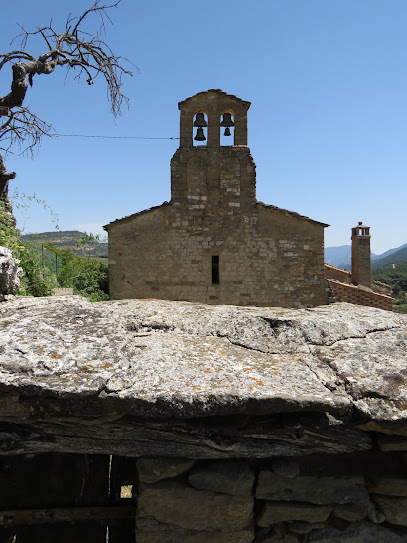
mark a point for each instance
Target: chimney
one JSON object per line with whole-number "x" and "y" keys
{"x": 361, "y": 266}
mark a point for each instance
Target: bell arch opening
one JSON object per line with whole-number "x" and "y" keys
{"x": 227, "y": 128}
{"x": 200, "y": 125}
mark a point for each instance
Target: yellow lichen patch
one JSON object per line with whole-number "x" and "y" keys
{"x": 105, "y": 366}
{"x": 56, "y": 356}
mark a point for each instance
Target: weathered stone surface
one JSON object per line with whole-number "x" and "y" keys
{"x": 318, "y": 490}
{"x": 230, "y": 477}
{"x": 183, "y": 536}
{"x": 286, "y": 468}
{"x": 351, "y": 512}
{"x": 151, "y": 470}
{"x": 388, "y": 485}
{"x": 274, "y": 512}
{"x": 361, "y": 532}
{"x": 10, "y": 273}
{"x": 150, "y": 530}
{"x": 204, "y": 380}
{"x": 391, "y": 443}
{"x": 172, "y": 503}
{"x": 302, "y": 527}
{"x": 279, "y": 534}
{"x": 394, "y": 509}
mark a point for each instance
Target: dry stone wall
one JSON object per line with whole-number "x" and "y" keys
{"x": 343, "y": 499}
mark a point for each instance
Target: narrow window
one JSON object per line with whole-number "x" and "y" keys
{"x": 215, "y": 270}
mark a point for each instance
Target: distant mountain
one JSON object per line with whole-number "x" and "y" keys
{"x": 69, "y": 239}
{"x": 391, "y": 256}
{"x": 340, "y": 257}
{"x": 337, "y": 256}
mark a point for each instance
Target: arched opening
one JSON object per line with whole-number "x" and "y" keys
{"x": 200, "y": 129}
{"x": 227, "y": 128}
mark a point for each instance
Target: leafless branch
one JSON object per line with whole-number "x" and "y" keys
{"x": 75, "y": 49}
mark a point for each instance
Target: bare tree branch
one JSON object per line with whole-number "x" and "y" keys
{"x": 75, "y": 49}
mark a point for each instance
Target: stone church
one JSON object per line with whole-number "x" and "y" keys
{"x": 214, "y": 243}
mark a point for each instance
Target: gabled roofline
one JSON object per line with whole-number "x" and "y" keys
{"x": 128, "y": 217}
{"x": 217, "y": 91}
{"x": 269, "y": 206}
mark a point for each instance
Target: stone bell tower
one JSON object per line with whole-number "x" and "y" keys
{"x": 212, "y": 168}
{"x": 361, "y": 263}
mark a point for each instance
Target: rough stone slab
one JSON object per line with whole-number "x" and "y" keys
{"x": 149, "y": 530}
{"x": 388, "y": 486}
{"x": 286, "y": 468}
{"x": 318, "y": 490}
{"x": 230, "y": 477}
{"x": 391, "y": 443}
{"x": 394, "y": 509}
{"x": 373, "y": 372}
{"x": 301, "y": 527}
{"x": 151, "y": 470}
{"x": 275, "y": 512}
{"x": 202, "y": 537}
{"x": 72, "y": 370}
{"x": 361, "y": 532}
{"x": 175, "y": 504}
{"x": 351, "y": 512}
{"x": 10, "y": 273}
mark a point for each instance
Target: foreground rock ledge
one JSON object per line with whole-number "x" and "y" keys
{"x": 138, "y": 377}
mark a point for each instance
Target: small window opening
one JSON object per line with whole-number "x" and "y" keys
{"x": 215, "y": 270}
{"x": 126, "y": 491}
{"x": 227, "y": 129}
{"x": 200, "y": 129}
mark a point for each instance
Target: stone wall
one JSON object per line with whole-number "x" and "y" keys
{"x": 360, "y": 296}
{"x": 322, "y": 498}
{"x": 267, "y": 256}
{"x": 344, "y": 291}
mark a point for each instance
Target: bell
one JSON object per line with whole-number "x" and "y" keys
{"x": 227, "y": 132}
{"x": 227, "y": 121}
{"x": 200, "y": 120}
{"x": 200, "y": 136}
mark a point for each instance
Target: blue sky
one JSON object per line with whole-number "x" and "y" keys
{"x": 327, "y": 125}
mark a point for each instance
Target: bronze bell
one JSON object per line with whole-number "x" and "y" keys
{"x": 200, "y": 136}
{"x": 227, "y": 121}
{"x": 227, "y": 132}
{"x": 200, "y": 120}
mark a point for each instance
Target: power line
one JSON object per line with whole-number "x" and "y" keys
{"x": 111, "y": 137}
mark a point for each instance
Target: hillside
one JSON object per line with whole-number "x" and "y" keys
{"x": 70, "y": 239}
{"x": 394, "y": 274}
{"x": 391, "y": 257}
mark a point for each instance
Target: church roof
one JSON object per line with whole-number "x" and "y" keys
{"x": 268, "y": 206}
{"x": 275, "y": 208}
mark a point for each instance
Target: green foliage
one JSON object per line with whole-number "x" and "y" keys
{"x": 48, "y": 267}
{"x": 395, "y": 275}
{"x": 88, "y": 277}
{"x": 9, "y": 234}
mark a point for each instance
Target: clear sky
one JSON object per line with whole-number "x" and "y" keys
{"x": 327, "y": 126}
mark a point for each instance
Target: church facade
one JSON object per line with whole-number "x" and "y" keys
{"x": 214, "y": 242}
